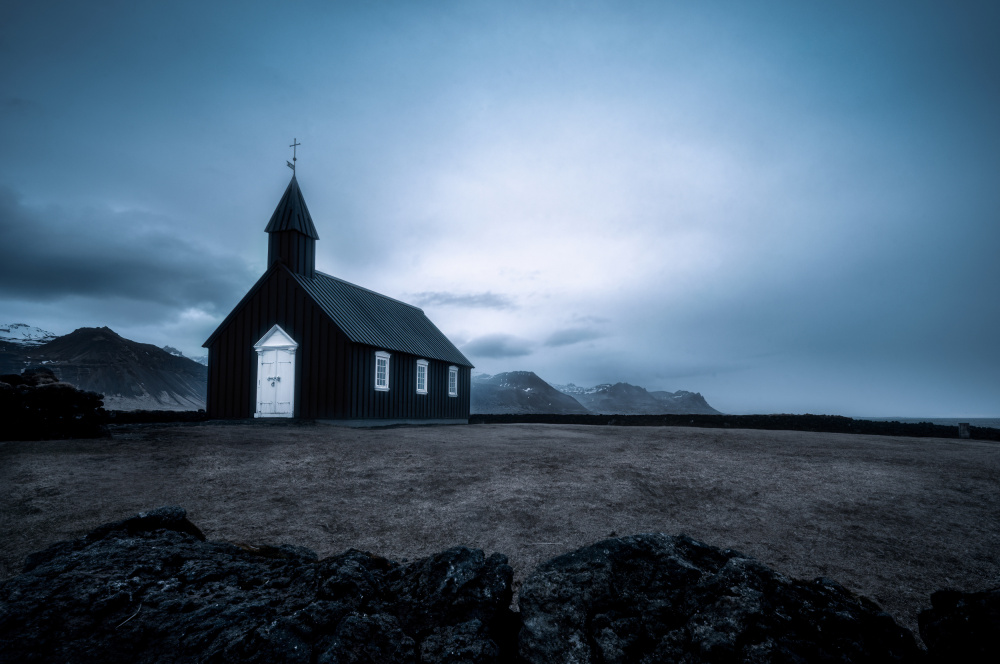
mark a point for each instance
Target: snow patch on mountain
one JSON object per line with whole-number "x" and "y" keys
{"x": 201, "y": 359}
{"x": 24, "y": 334}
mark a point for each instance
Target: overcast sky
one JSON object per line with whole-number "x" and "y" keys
{"x": 785, "y": 206}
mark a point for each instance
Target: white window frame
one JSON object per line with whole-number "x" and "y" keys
{"x": 383, "y": 386}
{"x": 452, "y": 381}
{"x": 422, "y": 364}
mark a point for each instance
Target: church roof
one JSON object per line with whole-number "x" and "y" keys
{"x": 370, "y": 318}
{"x": 292, "y": 213}
{"x": 366, "y": 317}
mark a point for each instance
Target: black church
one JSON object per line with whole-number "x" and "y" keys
{"x": 302, "y": 343}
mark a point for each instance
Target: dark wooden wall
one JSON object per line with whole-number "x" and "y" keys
{"x": 335, "y": 379}
{"x": 296, "y": 250}
{"x": 402, "y": 400}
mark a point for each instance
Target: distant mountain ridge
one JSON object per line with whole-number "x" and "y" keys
{"x": 519, "y": 392}
{"x": 523, "y": 392}
{"x": 626, "y": 399}
{"x": 201, "y": 359}
{"x": 130, "y": 375}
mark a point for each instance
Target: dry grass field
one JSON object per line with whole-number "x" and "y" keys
{"x": 890, "y": 518}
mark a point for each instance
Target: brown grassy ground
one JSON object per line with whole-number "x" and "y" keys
{"x": 890, "y": 518}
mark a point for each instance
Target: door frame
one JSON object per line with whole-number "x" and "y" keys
{"x": 279, "y": 340}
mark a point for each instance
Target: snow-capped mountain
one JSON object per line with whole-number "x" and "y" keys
{"x": 23, "y": 334}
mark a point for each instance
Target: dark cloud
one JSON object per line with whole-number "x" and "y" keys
{"x": 485, "y": 300}
{"x": 570, "y": 336}
{"x": 497, "y": 346}
{"x": 53, "y": 254}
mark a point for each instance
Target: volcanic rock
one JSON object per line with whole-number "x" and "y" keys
{"x": 656, "y": 598}
{"x": 962, "y": 627}
{"x": 151, "y": 588}
{"x": 35, "y": 405}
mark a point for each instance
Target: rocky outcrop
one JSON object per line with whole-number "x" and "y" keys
{"x": 962, "y": 627}
{"x": 35, "y": 405}
{"x": 152, "y": 589}
{"x": 657, "y": 598}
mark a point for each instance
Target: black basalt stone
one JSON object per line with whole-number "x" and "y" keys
{"x": 656, "y": 598}
{"x": 449, "y": 588}
{"x": 962, "y": 627}
{"x": 151, "y": 589}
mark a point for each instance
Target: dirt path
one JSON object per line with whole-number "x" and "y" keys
{"x": 891, "y": 518}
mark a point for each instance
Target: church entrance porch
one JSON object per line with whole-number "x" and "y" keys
{"x": 275, "y": 374}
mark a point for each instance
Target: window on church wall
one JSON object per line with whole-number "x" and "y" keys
{"x": 452, "y": 381}
{"x": 382, "y": 371}
{"x": 421, "y": 376}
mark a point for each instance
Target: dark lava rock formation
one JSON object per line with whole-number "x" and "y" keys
{"x": 656, "y": 598}
{"x": 35, "y": 405}
{"x": 152, "y": 589}
{"x": 962, "y": 627}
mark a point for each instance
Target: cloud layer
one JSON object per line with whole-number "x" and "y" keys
{"x": 785, "y": 206}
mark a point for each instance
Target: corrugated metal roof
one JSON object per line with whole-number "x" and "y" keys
{"x": 367, "y": 317}
{"x": 292, "y": 213}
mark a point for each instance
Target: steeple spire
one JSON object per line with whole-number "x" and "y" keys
{"x": 292, "y": 233}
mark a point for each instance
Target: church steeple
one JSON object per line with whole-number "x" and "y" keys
{"x": 292, "y": 234}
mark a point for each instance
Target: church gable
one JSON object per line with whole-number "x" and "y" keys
{"x": 276, "y": 338}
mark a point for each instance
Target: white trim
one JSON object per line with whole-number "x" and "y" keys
{"x": 422, "y": 364}
{"x": 275, "y": 338}
{"x": 452, "y": 381}
{"x": 383, "y": 385}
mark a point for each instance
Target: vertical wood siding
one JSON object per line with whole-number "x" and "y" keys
{"x": 296, "y": 250}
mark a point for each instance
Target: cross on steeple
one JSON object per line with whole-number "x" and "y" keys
{"x": 293, "y": 146}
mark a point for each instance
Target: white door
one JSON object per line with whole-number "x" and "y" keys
{"x": 266, "y": 392}
{"x": 284, "y": 389}
{"x": 275, "y": 375}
